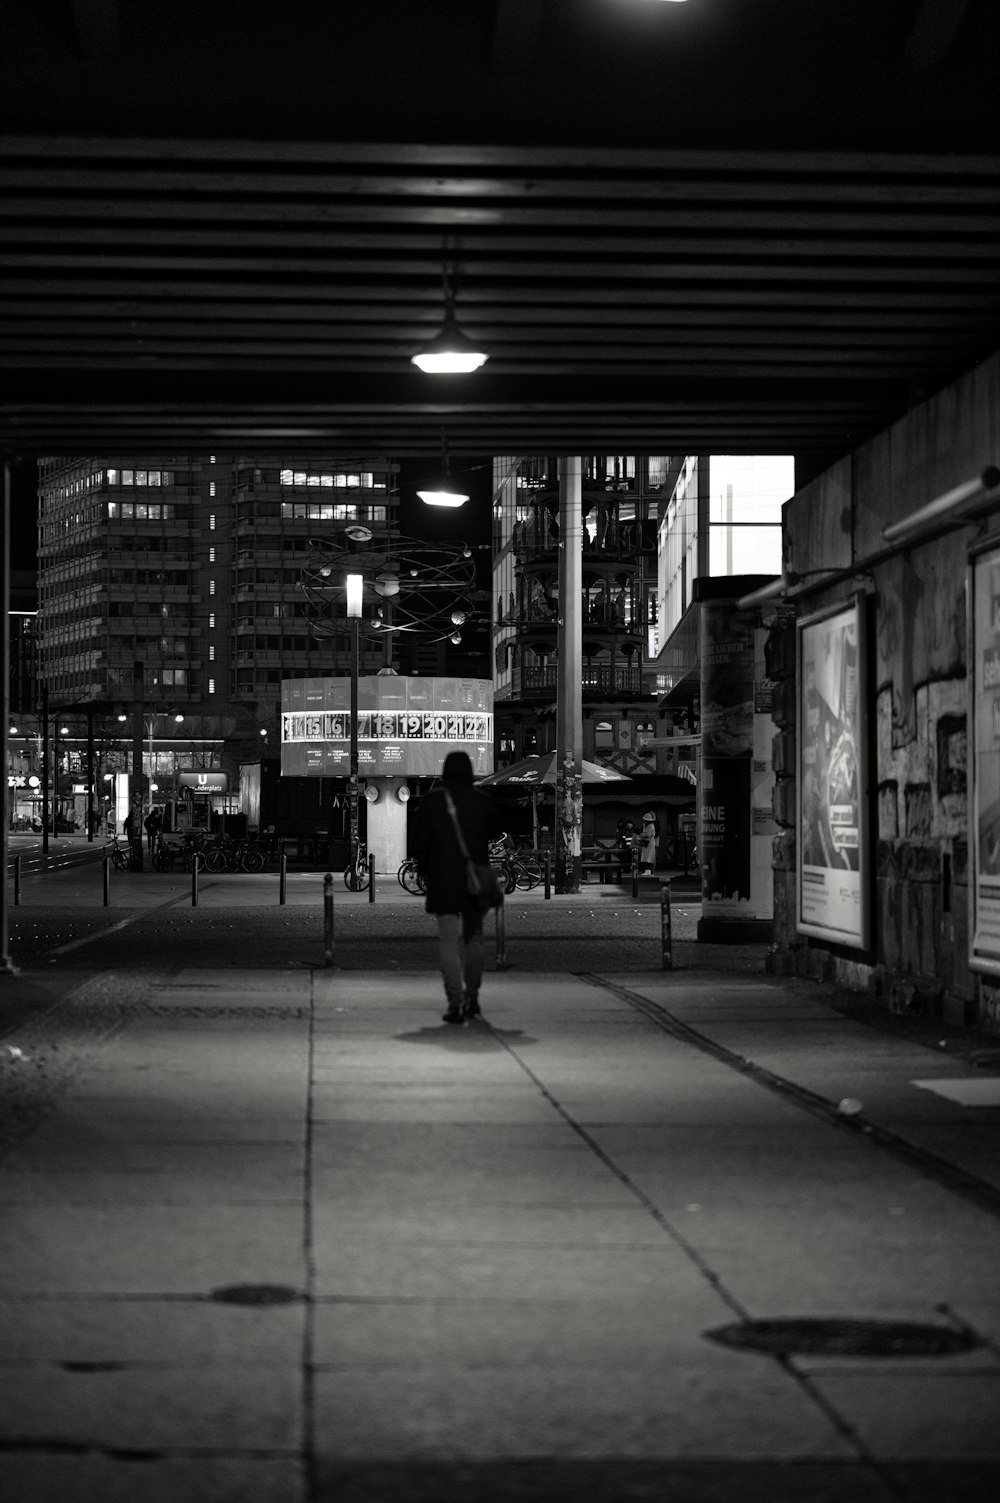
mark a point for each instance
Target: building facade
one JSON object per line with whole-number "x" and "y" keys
{"x": 177, "y": 580}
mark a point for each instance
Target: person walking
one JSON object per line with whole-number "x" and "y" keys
{"x": 151, "y": 824}
{"x": 650, "y": 840}
{"x": 441, "y": 864}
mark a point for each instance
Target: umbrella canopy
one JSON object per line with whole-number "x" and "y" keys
{"x": 533, "y": 771}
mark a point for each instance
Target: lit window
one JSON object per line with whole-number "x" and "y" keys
{"x": 313, "y": 480}
{"x": 154, "y": 477}
{"x": 211, "y": 686}
{"x": 128, "y": 509}
{"x": 286, "y": 477}
{"x": 211, "y": 555}
{"x": 112, "y": 477}
{"x": 211, "y": 653}
{"x": 211, "y": 586}
{"x": 211, "y": 618}
{"x": 299, "y": 477}
{"x": 140, "y": 477}
{"x": 128, "y": 477}
{"x": 112, "y": 508}
{"x": 141, "y": 509}
{"x": 211, "y": 521}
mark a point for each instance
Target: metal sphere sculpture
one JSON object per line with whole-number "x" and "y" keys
{"x": 410, "y": 586}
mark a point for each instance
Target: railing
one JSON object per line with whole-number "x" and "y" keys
{"x": 605, "y": 679}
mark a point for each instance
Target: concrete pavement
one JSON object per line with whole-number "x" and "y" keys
{"x": 273, "y": 1231}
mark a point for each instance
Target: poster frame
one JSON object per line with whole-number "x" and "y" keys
{"x": 981, "y": 958}
{"x": 857, "y": 936}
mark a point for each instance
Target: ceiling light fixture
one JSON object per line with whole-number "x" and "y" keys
{"x": 441, "y": 492}
{"x": 450, "y": 352}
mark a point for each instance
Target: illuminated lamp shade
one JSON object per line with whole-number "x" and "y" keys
{"x": 355, "y": 590}
{"x": 387, "y": 584}
{"x": 441, "y": 492}
{"x": 450, "y": 352}
{"x": 371, "y": 794}
{"x": 458, "y": 618}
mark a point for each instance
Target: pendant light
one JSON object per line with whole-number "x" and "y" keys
{"x": 450, "y": 352}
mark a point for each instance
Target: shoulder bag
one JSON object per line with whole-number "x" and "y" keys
{"x": 480, "y": 881}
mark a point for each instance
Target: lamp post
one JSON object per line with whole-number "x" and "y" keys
{"x": 355, "y": 591}
{"x": 141, "y": 723}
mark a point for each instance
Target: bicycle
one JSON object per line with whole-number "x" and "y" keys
{"x": 501, "y": 863}
{"x": 409, "y": 877}
{"x": 121, "y": 855}
{"x": 356, "y": 874}
{"x": 193, "y": 850}
{"x": 163, "y": 855}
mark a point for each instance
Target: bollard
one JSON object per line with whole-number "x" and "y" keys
{"x": 194, "y": 882}
{"x": 635, "y": 876}
{"x": 501, "y": 960}
{"x": 282, "y": 874}
{"x": 328, "y": 918}
{"x": 548, "y": 874}
{"x": 17, "y": 881}
{"x": 107, "y": 881}
{"x": 666, "y": 931}
{"x": 371, "y": 879}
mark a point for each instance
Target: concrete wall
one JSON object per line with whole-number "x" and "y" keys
{"x": 917, "y": 699}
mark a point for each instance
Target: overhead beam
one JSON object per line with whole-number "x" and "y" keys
{"x": 98, "y": 28}
{"x": 929, "y": 39}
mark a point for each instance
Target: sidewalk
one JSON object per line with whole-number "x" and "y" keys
{"x": 280, "y": 1234}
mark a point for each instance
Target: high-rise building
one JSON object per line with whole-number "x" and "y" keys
{"x": 186, "y": 571}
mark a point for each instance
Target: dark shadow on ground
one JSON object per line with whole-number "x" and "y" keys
{"x": 470, "y": 1038}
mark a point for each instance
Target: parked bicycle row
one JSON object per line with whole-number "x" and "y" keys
{"x": 220, "y": 853}
{"x": 518, "y": 870}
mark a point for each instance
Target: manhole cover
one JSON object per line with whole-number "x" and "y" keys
{"x": 256, "y": 1294}
{"x": 844, "y": 1338}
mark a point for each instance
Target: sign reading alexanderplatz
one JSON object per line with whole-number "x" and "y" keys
{"x": 406, "y": 726}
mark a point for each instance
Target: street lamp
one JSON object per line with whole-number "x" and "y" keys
{"x": 355, "y": 594}
{"x": 152, "y": 722}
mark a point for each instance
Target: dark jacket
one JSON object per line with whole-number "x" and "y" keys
{"x": 434, "y": 845}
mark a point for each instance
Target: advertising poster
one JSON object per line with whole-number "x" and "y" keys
{"x": 832, "y": 812}
{"x": 984, "y": 714}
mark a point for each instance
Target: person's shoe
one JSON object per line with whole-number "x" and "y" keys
{"x": 472, "y": 1008}
{"x": 453, "y": 1015}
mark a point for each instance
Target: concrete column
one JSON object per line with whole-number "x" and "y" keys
{"x": 387, "y": 826}
{"x": 569, "y": 698}
{"x": 736, "y": 826}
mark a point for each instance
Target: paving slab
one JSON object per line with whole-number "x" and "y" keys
{"x": 152, "y": 1249}
{"x": 142, "y": 1408}
{"x": 410, "y": 1414}
{"x": 92, "y": 1478}
{"x": 199, "y": 1333}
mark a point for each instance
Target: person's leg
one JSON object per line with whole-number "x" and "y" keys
{"x": 450, "y": 960}
{"x": 472, "y": 933}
